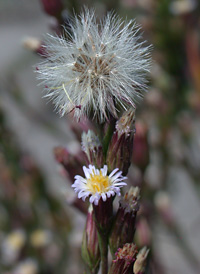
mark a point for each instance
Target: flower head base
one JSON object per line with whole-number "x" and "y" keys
{"x": 98, "y": 184}
{"x": 100, "y": 71}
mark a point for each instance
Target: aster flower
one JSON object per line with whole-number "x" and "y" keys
{"x": 99, "y": 71}
{"x": 98, "y": 184}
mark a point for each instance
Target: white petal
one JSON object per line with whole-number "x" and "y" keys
{"x": 82, "y": 194}
{"x": 117, "y": 180}
{"x": 113, "y": 172}
{"x": 103, "y": 195}
{"x": 96, "y": 201}
{"x": 86, "y": 171}
{"x": 108, "y": 194}
{"x": 92, "y": 198}
{"x": 120, "y": 184}
{"x": 78, "y": 177}
{"x": 104, "y": 170}
{"x": 117, "y": 175}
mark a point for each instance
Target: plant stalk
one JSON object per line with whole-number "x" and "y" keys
{"x": 103, "y": 245}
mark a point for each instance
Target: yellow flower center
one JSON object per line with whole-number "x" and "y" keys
{"x": 98, "y": 183}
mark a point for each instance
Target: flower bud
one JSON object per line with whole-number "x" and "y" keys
{"x": 121, "y": 145}
{"x": 124, "y": 224}
{"x": 163, "y": 205}
{"x": 92, "y": 147}
{"x": 103, "y": 213}
{"x": 141, "y": 149}
{"x": 140, "y": 263}
{"x": 35, "y": 45}
{"x": 71, "y": 163}
{"x": 90, "y": 245}
{"x": 143, "y": 235}
{"x": 52, "y": 7}
{"x": 125, "y": 258}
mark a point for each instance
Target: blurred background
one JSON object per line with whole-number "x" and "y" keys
{"x": 41, "y": 222}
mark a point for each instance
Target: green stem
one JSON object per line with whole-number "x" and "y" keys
{"x": 103, "y": 245}
{"x": 108, "y": 136}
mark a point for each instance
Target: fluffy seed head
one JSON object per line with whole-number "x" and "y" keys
{"x": 99, "y": 71}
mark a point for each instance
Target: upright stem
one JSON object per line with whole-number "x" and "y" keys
{"x": 108, "y": 136}
{"x": 103, "y": 245}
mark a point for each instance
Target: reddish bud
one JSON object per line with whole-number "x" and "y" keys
{"x": 125, "y": 258}
{"x": 120, "y": 147}
{"x": 143, "y": 233}
{"x": 163, "y": 205}
{"x": 35, "y": 45}
{"x": 90, "y": 246}
{"x": 141, "y": 148}
{"x": 124, "y": 224}
{"x": 103, "y": 213}
{"x": 52, "y": 7}
{"x": 72, "y": 163}
{"x": 140, "y": 263}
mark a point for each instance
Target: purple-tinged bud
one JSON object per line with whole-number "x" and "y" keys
{"x": 124, "y": 225}
{"x": 90, "y": 246}
{"x": 103, "y": 213}
{"x": 35, "y": 45}
{"x": 163, "y": 205}
{"x": 143, "y": 235}
{"x": 121, "y": 145}
{"x": 141, "y": 147}
{"x": 140, "y": 263}
{"x": 125, "y": 258}
{"x": 71, "y": 163}
{"x": 52, "y": 7}
{"x": 92, "y": 147}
